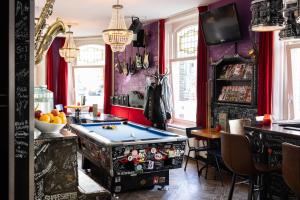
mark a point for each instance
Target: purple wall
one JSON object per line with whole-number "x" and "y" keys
{"x": 244, "y": 13}
{"x": 137, "y": 82}
{"x": 125, "y": 84}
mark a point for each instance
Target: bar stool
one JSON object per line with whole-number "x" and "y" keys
{"x": 291, "y": 166}
{"x": 237, "y": 156}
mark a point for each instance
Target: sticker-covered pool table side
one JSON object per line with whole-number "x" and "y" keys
{"x": 151, "y": 157}
{"x": 132, "y": 157}
{"x": 98, "y": 153}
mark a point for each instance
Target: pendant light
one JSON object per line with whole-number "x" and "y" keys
{"x": 292, "y": 27}
{"x": 267, "y": 15}
{"x": 69, "y": 51}
{"x": 117, "y": 35}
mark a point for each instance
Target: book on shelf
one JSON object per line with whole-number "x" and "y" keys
{"x": 239, "y": 94}
{"x": 236, "y": 72}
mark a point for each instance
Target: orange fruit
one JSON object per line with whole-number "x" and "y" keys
{"x": 57, "y": 120}
{"x": 45, "y": 118}
{"x": 62, "y": 115}
{"x": 55, "y": 112}
{"x": 51, "y": 116}
{"x": 63, "y": 120}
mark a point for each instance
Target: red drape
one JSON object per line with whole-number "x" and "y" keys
{"x": 162, "y": 67}
{"x": 265, "y": 68}
{"x": 201, "y": 75}
{"x": 57, "y": 72}
{"x": 107, "y": 79}
{"x": 49, "y": 66}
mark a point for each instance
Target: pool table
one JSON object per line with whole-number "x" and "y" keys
{"x": 128, "y": 155}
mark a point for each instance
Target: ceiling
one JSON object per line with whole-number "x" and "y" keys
{"x": 90, "y": 17}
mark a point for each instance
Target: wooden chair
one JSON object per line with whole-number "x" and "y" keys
{"x": 291, "y": 166}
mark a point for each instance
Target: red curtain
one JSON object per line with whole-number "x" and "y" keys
{"x": 107, "y": 79}
{"x": 57, "y": 72}
{"x": 201, "y": 117}
{"x": 265, "y": 71}
{"x": 162, "y": 67}
{"x": 49, "y": 66}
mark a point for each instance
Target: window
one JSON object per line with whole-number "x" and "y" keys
{"x": 187, "y": 40}
{"x": 88, "y": 74}
{"x": 294, "y": 54}
{"x": 286, "y": 85}
{"x": 183, "y": 68}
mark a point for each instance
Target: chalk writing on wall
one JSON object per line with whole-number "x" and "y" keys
{"x": 22, "y": 58}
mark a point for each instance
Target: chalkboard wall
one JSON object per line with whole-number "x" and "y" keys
{"x": 23, "y": 29}
{"x": 4, "y": 100}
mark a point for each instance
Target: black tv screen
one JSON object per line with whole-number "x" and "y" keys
{"x": 221, "y": 25}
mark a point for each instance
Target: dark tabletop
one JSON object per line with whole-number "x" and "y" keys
{"x": 277, "y": 129}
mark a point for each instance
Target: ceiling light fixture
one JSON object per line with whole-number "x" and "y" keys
{"x": 292, "y": 27}
{"x": 117, "y": 35}
{"x": 267, "y": 15}
{"x": 69, "y": 51}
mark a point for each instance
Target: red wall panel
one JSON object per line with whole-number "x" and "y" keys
{"x": 137, "y": 116}
{"x": 132, "y": 114}
{"x": 120, "y": 111}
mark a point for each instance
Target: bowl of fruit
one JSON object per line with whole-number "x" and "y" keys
{"x": 51, "y": 122}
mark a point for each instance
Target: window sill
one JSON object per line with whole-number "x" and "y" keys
{"x": 182, "y": 125}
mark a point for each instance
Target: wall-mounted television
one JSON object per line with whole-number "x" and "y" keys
{"x": 221, "y": 25}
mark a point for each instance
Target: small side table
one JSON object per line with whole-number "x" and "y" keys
{"x": 210, "y": 135}
{"x": 77, "y": 111}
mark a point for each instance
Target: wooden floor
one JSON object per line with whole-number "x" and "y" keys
{"x": 188, "y": 186}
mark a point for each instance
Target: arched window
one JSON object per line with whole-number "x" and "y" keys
{"x": 91, "y": 55}
{"x": 88, "y": 74}
{"x": 187, "y": 40}
{"x": 183, "y": 68}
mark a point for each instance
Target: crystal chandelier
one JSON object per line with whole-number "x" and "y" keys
{"x": 117, "y": 35}
{"x": 69, "y": 51}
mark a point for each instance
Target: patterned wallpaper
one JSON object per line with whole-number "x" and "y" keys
{"x": 137, "y": 82}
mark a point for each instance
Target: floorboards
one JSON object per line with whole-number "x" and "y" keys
{"x": 188, "y": 186}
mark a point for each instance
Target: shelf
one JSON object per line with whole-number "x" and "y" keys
{"x": 234, "y": 102}
{"x": 234, "y": 80}
{"x": 127, "y": 107}
{"x": 226, "y": 103}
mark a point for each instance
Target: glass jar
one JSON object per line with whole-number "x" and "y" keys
{"x": 43, "y": 99}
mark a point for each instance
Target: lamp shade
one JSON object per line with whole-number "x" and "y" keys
{"x": 69, "y": 51}
{"x": 267, "y": 15}
{"x": 292, "y": 27}
{"x": 117, "y": 35}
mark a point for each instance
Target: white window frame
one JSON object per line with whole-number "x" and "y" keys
{"x": 283, "y": 97}
{"x": 84, "y": 42}
{"x": 172, "y": 42}
{"x": 289, "y": 48}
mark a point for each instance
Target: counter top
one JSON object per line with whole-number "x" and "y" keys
{"x": 275, "y": 129}
{"x": 62, "y": 135}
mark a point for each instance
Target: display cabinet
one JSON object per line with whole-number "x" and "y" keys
{"x": 234, "y": 88}
{"x": 235, "y": 81}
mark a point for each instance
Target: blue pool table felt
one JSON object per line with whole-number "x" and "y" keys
{"x": 126, "y": 132}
